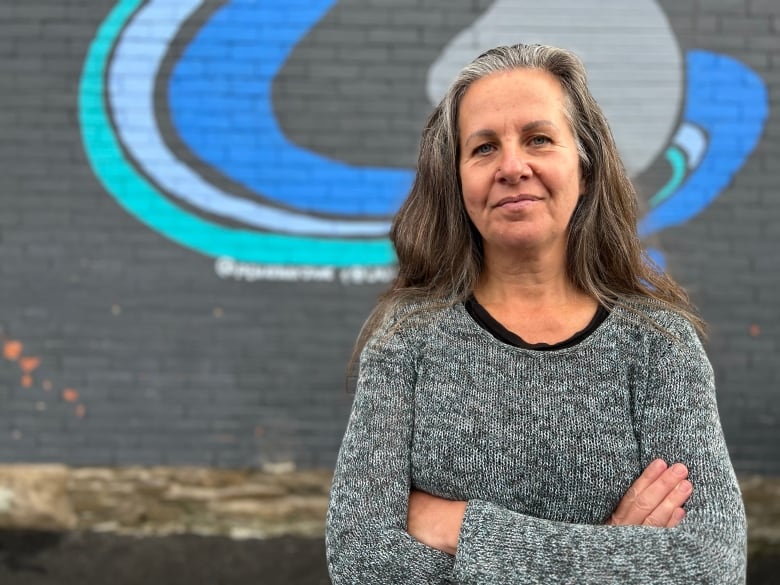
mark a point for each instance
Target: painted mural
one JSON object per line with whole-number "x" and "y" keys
{"x": 180, "y": 118}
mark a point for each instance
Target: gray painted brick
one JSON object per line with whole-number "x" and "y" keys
{"x": 732, "y": 6}
{"x": 747, "y": 24}
{"x": 760, "y": 7}
{"x": 420, "y": 18}
{"x": 165, "y": 382}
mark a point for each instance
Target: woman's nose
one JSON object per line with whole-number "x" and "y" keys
{"x": 513, "y": 167}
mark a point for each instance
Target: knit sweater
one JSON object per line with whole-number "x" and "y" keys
{"x": 542, "y": 445}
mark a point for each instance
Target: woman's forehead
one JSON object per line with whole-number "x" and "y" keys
{"x": 517, "y": 97}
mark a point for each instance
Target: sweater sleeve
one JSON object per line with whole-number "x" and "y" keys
{"x": 366, "y": 538}
{"x": 676, "y": 418}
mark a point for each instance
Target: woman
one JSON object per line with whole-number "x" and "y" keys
{"x": 528, "y": 363}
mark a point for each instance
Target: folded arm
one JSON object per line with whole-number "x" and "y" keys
{"x": 654, "y": 499}
{"x": 366, "y": 539}
{"x": 676, "y": 420}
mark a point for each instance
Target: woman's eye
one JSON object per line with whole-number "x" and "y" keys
{"x": 484, "y": 149}
{"x": 540, "y": 140}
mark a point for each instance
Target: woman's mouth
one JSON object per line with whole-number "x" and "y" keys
{"x": 517, "y": 201}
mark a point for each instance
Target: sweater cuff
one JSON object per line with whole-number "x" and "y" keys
{"x": 467, "y": 555}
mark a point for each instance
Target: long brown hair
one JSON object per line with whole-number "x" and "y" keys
{"x": 439, "y": 250}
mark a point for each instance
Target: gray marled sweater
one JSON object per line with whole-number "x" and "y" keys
{"x": 542, "y": 445}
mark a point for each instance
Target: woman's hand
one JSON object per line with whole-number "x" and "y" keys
{"x": 435, "y": 521}
{"x": 655, "y": 498}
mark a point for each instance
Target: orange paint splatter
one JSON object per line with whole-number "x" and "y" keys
{"x": 70, "y": 395}
{"x": 12, "y": 349}
{"x": 29, "y": 363}
{"x": 755, "y": 330}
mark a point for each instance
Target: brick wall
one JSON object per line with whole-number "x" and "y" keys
{"x": 180, "y": 283}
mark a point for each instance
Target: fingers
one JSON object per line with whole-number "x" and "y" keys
{"x": 628, "y": 512}
{"x": 665, "y": 495}
{"x": 656, "y": 497}
{"x": 677, "y": 517}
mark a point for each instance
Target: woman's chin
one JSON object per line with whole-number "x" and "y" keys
{"x": 526, "y": 242}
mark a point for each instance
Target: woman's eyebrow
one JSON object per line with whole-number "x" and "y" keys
{"x": 484, "y": 133}
{"x": 534, "y": 125}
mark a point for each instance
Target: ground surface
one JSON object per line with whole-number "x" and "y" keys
{"x": 37, "y": 558}
{"x": 28, "y": 558}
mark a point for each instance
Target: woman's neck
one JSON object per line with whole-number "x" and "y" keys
{"x": 536, "y": 301}
{"x": 533, "y": 281}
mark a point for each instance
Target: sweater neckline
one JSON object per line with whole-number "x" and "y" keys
{"x": 487, "y": 322}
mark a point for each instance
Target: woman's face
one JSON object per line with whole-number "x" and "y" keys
{"x": 519, "y": 166}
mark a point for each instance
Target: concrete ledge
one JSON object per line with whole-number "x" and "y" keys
{"x": 165, "y": 500}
